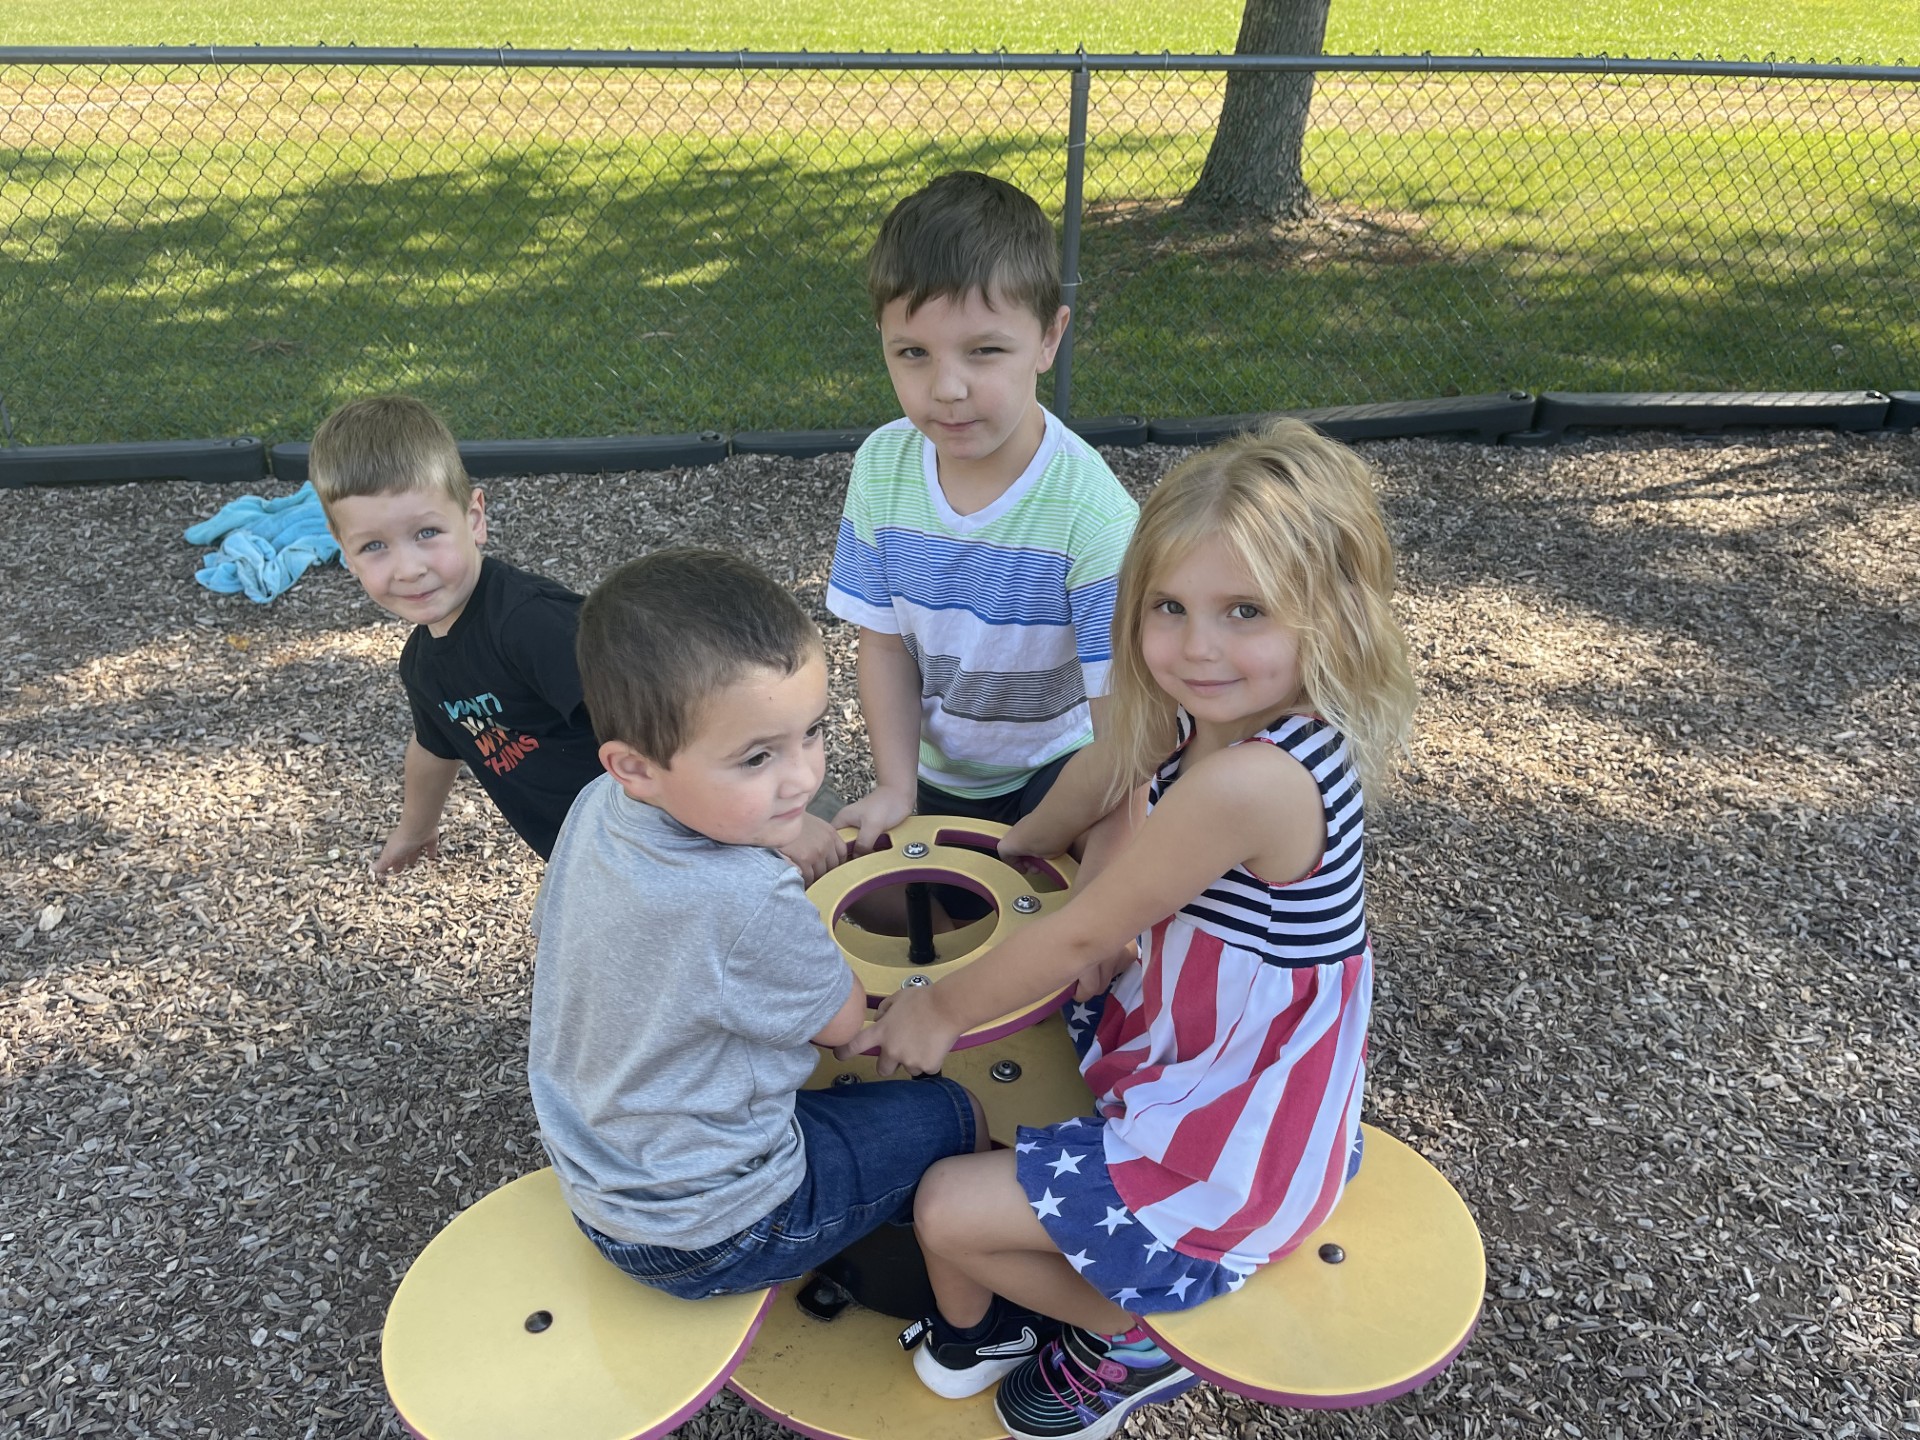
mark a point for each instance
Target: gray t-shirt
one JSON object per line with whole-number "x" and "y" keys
{"x": 676, "y": 985}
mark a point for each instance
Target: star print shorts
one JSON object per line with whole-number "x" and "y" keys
{"x": 1063, "y": 1169}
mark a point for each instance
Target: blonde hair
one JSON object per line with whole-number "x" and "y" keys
{"x": 1300, "y": 512}
{"x": 385, "y": 445}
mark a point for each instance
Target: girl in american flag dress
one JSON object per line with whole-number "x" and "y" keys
{"x": 1221, "y": 952}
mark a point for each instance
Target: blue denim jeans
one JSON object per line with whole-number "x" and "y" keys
{"x": 867, "y": 1147}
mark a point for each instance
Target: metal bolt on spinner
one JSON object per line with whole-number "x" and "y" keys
{"x": 1332, "y": 1253}
{"x": 914, "y": 850}
{"x": 1026, "y": 904}
{"x": 915, "y": 982}
{"x": 844, "y": 1079}
{"x": 1005, "y": 1071}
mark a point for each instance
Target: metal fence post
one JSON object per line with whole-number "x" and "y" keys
{"x": 1070, "y": 241}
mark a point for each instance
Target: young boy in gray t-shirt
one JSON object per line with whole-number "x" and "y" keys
{"x": 683, "y": 977}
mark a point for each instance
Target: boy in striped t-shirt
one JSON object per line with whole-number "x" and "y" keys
{"x": 981, "y": 538}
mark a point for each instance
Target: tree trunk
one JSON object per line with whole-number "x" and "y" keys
{"x": 1253, "y": 166}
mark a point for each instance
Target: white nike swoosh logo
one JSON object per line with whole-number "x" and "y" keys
{"x": 1021, "y": 1346}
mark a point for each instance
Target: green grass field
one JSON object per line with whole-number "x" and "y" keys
{"x": 566, "y": 253}
{"x": 1870, "y": 30}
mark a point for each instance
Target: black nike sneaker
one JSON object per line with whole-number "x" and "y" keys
{"x": 955, "y": 1365}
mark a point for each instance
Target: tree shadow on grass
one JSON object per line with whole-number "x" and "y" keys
{"x": 1369, "y": 302}
{"x": 703, "y": 281}
{"x": 526, "y": 293}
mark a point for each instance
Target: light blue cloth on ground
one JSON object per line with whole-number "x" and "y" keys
{"x": 265, "y": 545}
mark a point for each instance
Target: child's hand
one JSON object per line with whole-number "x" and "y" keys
{"x": 1018, "y": 843}
{"x": 1096, "y": 980}
{"x": 873, "y": 815}
{"x": 910, "y": 1034}
{"x": 404, "y": 848}
{"x": 817, "y": 850}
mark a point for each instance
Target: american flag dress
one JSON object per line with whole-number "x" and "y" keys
{"x": 1229, "y": 1062}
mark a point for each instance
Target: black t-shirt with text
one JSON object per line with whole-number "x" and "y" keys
{"x": 501, "y": 691}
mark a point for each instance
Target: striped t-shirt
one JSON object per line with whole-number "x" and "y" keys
{"x": 1229, "y": 1062}
{"x": 1008, "y": 611}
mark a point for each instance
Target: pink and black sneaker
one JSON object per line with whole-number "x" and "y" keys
{"x": 1083, "y": 1385}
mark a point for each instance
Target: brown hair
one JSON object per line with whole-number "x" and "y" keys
{"x": 1299, "y": 511}
{"x": 965, "y": 234}
{"x": 383, "y": 445}
{"x": 659, "y": 635}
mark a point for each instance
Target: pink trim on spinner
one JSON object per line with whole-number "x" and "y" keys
{"x": 1293, "y": 1401}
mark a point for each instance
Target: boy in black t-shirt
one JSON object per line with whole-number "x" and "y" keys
{"x": 489, "y": 670}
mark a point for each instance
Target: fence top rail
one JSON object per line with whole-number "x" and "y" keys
{"x": 259, "y": 55}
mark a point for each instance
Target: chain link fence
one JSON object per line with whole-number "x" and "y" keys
{"x": 200, "y": 243}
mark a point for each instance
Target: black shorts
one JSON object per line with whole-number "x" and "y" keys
{"x": 1005, "y": 808}
{"x": 964, "y": 906}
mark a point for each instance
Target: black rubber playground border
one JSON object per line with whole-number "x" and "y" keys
{"x": 1514, "y": 417}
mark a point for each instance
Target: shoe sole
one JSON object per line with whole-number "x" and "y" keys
{"x": 950, "y": 1384}
{"x": 1178, "y": 1383}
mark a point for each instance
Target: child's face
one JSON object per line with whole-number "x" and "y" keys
{"x": 757, "y": 756}
{"x": 1211, "y": 643}
{"x": 416, "y": 552}
{"x": 964, "y": 371}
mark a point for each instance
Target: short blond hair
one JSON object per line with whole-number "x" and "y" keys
{"x": 1300, "y": 512}
{"x": 385, "y": 445}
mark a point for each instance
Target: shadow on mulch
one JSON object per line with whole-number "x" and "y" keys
{"x": 1644, "y": 903}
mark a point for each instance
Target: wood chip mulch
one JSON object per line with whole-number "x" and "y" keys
{"x": 1646, "y": 912}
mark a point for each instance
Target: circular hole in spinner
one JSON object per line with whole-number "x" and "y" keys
{"x": 878, "y": 925}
